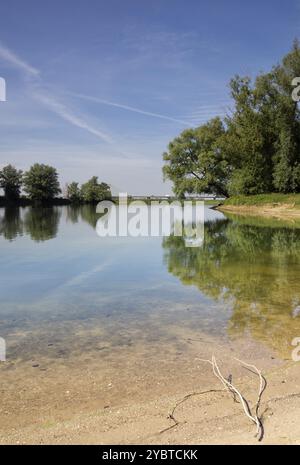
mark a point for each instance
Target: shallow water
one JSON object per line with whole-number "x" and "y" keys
{"x": 65, "y": 290}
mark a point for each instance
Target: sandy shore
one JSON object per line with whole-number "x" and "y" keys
{"x": 78, "y": 403}
{"x": 280, "y": 211}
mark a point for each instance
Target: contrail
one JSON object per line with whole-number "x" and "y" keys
{"x": 54, "y": 105}
{"x": 68, "y": 116}
{"x": 129, "y": 108}
{"x": 16, "y": 61}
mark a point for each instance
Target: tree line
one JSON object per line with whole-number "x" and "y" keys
{"x": 40, "y": 184}
{"x": 255, "y": 149}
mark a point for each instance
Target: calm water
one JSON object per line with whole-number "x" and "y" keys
{"x": 60, "y": 282}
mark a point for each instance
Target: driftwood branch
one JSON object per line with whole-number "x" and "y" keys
{"x": 237, "y": 396}
{"x": 233, "y": 390}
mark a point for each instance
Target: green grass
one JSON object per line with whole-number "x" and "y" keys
{"x": 263, "y": 199}
{"x": 212, "y": 202}
{"x": 267, "y": 222}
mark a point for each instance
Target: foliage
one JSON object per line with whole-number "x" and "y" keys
{"x": 11, "y": 182}
{"x": 41, "y": 185}
{"x": 255, "y": 150}
{"x": 194, "y": 161}
{"x": 41, "y": 182}
{"x": 263, "y": 199}
{"x": 74, "y": 192}
{"x": 94, "y": 192}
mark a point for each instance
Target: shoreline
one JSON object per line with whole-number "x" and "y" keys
{"x": 280, "y": 211}
{"x": 211, "y": 418}
{"x": 133, "y": 405}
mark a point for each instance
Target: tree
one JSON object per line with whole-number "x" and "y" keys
{"x": 287, "y": 122}
{"x": 194, "y": 161}
{"x": 247, "y": 145}
{"x": 92, "y": 191}
{"x": 73, "y": 192}
{"x": 41, "y": 182}
{"x": 263, "y": 137}
{"x": 257, "y": 147}
{"x": 11, "y": 182}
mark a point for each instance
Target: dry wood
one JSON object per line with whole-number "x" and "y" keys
{"x": 233, "y": 390}
{"x": 227, "y": 383}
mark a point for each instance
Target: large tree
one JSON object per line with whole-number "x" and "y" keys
{"x": 194, "y": 161}
{"x": 248, "y": 143}
{"x": 11, "y": 182}
{"x": 41, "y": 182}
{"x": 286, "y": 113}
{"x": 93, "y": 191}
{"x": 263, "y": 137}
{"x": 258, "y": 148}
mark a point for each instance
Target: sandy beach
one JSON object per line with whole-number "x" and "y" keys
{"x": 86, "y": 401}
{"x": 280, "y": 211}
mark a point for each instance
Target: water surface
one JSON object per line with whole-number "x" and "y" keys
{"x": 62, "y": 285}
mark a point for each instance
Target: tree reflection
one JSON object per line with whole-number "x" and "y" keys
{"x": 73, "y": 213}
{"x": 89, "y": 215}
{"x": 42, "y": 223}
{"x": 11, "y": 224}
{"x": 253, "y": 267}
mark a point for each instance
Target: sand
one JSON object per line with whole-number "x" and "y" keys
{"x": 90, "y": 401}
{"x": 280, "y": 211}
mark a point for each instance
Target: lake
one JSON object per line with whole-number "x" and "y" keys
{"x": 95, "y": 321}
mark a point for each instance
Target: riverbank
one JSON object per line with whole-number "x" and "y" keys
{"x": 268, "y": 205}
{"x": 130, "y": 403}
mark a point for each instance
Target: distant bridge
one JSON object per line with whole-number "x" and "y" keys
{"x": 171, "y": 198}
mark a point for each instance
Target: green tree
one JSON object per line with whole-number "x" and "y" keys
{"x": 94, "y": 192}
{"x": 41, "y": 182}
{"x": 287, "y": 122}
{"x": 194, "y": 161}
{"x": 11, "y": 182}
{"x": 246, "y": 145}
{"x": 263, "y": 136}
{"x": 74, "y": 192}
{"x": 255, "y": 150}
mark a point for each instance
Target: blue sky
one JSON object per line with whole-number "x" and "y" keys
{"x": 100, "y": 87}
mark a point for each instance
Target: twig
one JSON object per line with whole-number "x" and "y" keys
{"x": 227, "y": 383}
{"x": 188, "y": 396}
{"x": 262, "y": 387}
{"x": 233, "y": 390}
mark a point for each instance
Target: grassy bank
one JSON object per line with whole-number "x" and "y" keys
{"x": 280, "y": 206}
{"x": 264, "y": 199}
